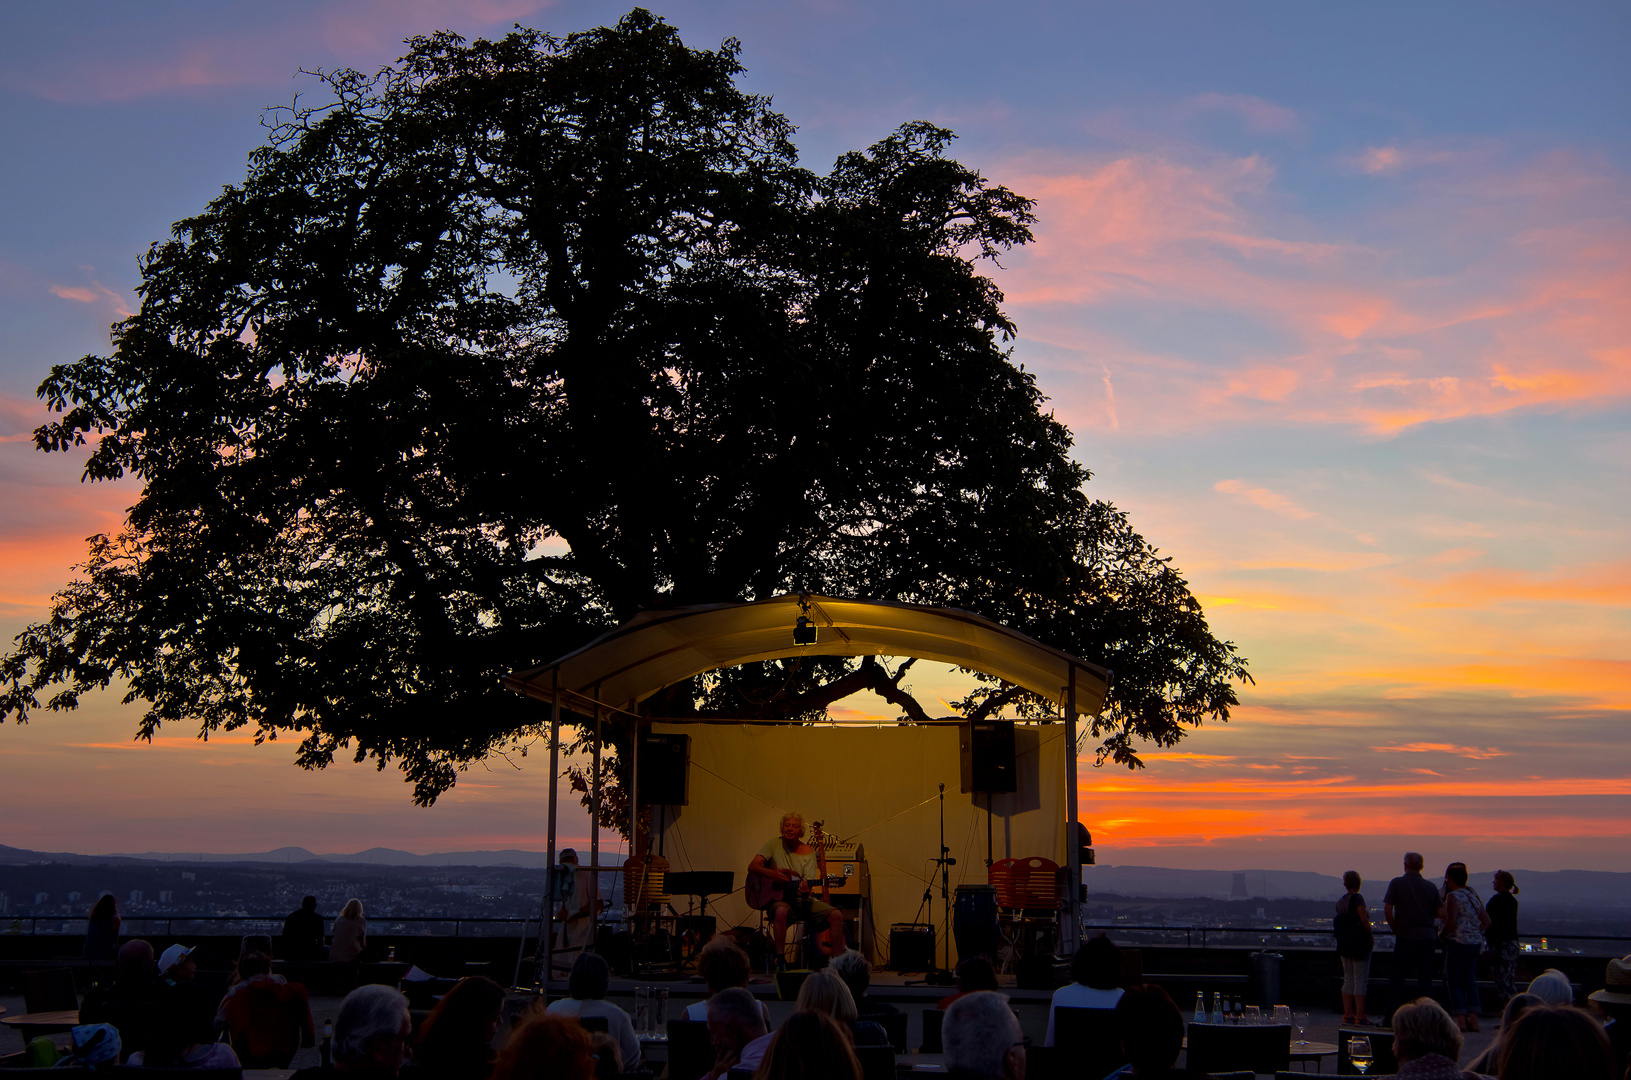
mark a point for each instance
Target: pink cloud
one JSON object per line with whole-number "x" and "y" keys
{"x": 84, "y": 296}
{"x": 1523, "y": 311}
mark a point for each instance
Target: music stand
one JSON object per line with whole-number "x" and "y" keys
{"x": 700, "y": 884}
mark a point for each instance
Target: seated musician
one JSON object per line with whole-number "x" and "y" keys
{"x": 788, "y": 864}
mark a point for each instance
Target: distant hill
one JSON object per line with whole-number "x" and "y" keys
{"x": 530, "y": 860}
{"x": 1602, "y": 891}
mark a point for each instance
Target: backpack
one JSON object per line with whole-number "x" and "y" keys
{"x": 1354, "y": 938}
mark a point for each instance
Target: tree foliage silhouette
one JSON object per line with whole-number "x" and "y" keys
{"x": 512, "y": 339}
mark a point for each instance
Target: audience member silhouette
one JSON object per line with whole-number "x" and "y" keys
{"x": 1096, "y": 969}
{"x": 809, "y": 1046}
{"x": 722, "y": 965}
{"x": 738, "y": 1029}
{"x": 1550, "y": 1041}
{"x": 546, "y": 1047}
{"x": 1553, "y": 987}
{"x": 456, "y": 1039}
{"x": 1464, "y": 922}
{"x": 1354, "y": 945}
{"x": 1410, "y": 906}
{"x": 982, "y": 1038}
{"x": 1152, "y": 1032}
{"x": 371, "y": 1033}
{"x": 180, "y": 992}
{"x": 303, "y": 933}
{"x": 853, "y": 967}
{"x": 183, "y": 1038}
{"x": 131, "y": 1003}
{"x": 825, "y": 992}
{"x": 608, "y": 1058}
{"x": 102, "y": 930}
{"x": 1502, "y": 935}
{"x": 1427, "y": 1042}
{"x": 586, "y": 996}
{"x": 267, "y": 1017}
{"x": 974, "y": 973}
{"x": 350, "y": 933}
{"x": 1490, "y": 1059}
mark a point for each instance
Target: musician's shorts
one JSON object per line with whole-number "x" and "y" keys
{"x": 808, "y": 909}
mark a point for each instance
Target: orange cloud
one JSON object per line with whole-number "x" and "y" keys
{"x": 1263, "y": 497}
{"x": 1473, "y": 752}
{"x": 1606, "y": 585}
{"x": 84, "y": 296}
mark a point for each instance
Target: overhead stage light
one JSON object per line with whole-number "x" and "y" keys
{"x": 804, "y": 631}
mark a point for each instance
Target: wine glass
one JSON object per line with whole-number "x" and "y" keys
{"x": 1359, "y": 1053}
{"x": 1300, "y": 1021}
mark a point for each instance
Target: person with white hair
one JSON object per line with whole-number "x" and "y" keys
{"x": 350, "y": 933}
{"x": 780, "y": 878}
{"x": 371, "y": 1033}
{"x": 982, "y": 1039}
{"x": 1553, "y": 987}
{"x": 855, "y": 969}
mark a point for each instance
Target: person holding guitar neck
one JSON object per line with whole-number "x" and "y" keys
{"x": 780, "y": 879}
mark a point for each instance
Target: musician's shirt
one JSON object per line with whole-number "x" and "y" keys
{"x": 779, "y": 858}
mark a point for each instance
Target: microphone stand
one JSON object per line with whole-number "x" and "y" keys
{"x": 936, "y": 975}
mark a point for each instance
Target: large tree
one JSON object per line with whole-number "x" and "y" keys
{"x": 504, "y": 343}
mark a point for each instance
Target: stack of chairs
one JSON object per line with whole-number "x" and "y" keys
{"x": 1028, "y": 904}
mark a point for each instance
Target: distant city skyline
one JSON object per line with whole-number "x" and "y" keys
{"x": 1334, "y": 300}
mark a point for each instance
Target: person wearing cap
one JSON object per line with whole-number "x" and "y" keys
{"x": 1615, "y": 996}
{"x": 180, "y": 992}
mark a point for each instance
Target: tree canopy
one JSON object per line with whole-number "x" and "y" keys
{"x": 512, "y": 339}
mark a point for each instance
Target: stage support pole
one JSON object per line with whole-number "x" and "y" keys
{"x": 548, "y": 926}
{"x": 1073, "y": 850}
{"x": 594, "y": 834}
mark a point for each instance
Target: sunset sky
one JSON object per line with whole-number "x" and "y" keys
{"x": 1336, "y": 298}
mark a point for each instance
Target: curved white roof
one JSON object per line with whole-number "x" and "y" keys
{"x": 658, "y": 648}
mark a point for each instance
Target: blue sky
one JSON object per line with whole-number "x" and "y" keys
{"x": 1332, "y": 295}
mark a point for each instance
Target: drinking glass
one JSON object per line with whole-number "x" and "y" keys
{"x": 1254, "y": 1016}
{"x": 1300, "y": 1021}
{"x": 642, "y": 1010}
{"x": 659, "y": 1012}
{"x": 1359, "y": 1053}
{"x": 1282, "y": 1014}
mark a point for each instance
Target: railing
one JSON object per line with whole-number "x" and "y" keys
{"x": 1311, "y": 937}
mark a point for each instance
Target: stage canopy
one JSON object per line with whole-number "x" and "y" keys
{"x": 659, "y": 648}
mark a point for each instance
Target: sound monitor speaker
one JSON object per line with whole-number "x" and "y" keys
{"x": 664, "y": 769}
{"x": 988, "y": 756}
{"x": 911, "y": 947}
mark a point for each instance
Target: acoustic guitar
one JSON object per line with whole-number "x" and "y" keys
{"x": 760, "y": 891}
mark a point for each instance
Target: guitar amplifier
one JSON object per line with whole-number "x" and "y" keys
{"x": 911, "y": 947}
{"x": 847, "y": 874}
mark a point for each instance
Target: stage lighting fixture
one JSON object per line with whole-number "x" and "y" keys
{"x": 804, "y": 631}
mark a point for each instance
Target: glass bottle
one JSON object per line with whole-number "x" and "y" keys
{"x": 1200, "y": 1006}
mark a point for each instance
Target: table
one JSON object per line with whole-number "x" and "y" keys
{"x": 1311, "y": 1051}
{"x": 33, "y": 1025}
